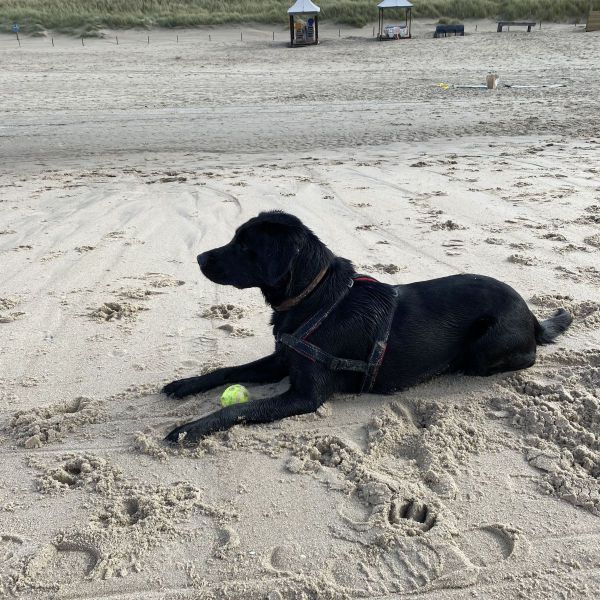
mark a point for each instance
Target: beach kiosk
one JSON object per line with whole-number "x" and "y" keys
{"x": 400, "y": 30}
{"x": 304, "y": 23}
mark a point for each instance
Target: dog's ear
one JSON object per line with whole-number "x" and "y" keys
{"x": 283, "y": 252}
{"x": 281, "y": 246}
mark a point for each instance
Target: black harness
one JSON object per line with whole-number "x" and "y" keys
{"x": 297, "y": 341}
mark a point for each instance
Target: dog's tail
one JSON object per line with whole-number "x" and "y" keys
{"x": 548, "y": 330}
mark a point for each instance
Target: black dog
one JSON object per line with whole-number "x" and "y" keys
{"x": 337, "y": 331}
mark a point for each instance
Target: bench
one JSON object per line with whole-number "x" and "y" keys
{"x": 446, "y": 29}
{"x": 528, "y": 24}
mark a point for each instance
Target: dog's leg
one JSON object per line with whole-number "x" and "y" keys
{"x": 263, "y": 410}
{"x": 269, "y": 369}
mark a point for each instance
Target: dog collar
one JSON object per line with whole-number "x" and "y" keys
{"x": 291, "y": 302}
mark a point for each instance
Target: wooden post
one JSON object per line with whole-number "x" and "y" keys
{"x": 53, "y": 41}
{"x": 475, "y": 27}
{"x": 273, "y": 36}
{"x": 148, "y": 40}
{"x": 241, "y": 36}
{"x": 339, "y": 33}
{"x": 209, "y": 37}
{"x": 117, "y": 38}
{"x": 373, "y": 30}
{"x": 178, "y": 39}
{"x": 82, "y": 40}
{"x": 18, "y": 40}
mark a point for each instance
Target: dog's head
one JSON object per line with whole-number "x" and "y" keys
{"x": 261, "y": 254}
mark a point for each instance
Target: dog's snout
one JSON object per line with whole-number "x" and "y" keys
{"x": 203, "y": 259}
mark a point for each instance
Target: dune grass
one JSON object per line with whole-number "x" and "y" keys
{"x": 88, "y": 16}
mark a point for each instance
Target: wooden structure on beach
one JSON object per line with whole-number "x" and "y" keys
{"x": 304, "y": 23}
{"x": 593, "y": 22}
{"x": 399, "y": 31}
{"x": 509, "y": 24}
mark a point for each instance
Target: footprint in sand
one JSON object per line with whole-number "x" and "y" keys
{"x": 224, "y": 311}
{"x": 555, "y": 237}
{"x": 521, "y": 245}
{"x": 161, "y": 280}
{"x": 589, "y": 274}
{"x": 495, "y": 241}
{"x": 394, "y": 566}
{"x": 412, "y": 564}
{"x": 593, "y": 240}
{"x": 448, "y": 225}
{"x": 238, "y": 332}
{"x": 412, "y": 512}
{"x": 115, "y": 235}
{"x": 388, "y": 269}
{"x": 137, "y": 293}
{"x": 290, "y": 558}
{"x": 115, "y": 311}
{"x": 77, "y": 471}
{"x": 54, "y": 254}
{"x": 44, "y": 425}
{"x": 155, "y": 281}
{"x": 10, "y": 547}
{"x": 228, "y": 541}
{"x": 488, "y": 545}
{"x": 59, "y": 564}
{"x": 12, "y": 316}
{"x": 522, "y": 259}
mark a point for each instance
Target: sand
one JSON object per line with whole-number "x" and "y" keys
{"x": 120, "y": 163}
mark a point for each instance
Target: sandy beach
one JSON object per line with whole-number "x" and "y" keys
{"x": 120, "y": 163}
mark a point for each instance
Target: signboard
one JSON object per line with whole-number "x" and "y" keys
{"x": 16, "y": 28}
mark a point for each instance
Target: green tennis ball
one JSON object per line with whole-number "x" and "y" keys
{"x": 235, "y": 394}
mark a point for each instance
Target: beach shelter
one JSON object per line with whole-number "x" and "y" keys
{"x": 304, "y": 23}
{"x": 400, "y": 30}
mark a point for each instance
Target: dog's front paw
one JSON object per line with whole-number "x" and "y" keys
{"x": 184, "y": 387}
{"x": 193, "y": 432}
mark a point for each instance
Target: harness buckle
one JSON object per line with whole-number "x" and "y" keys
{"x": 335, "y": 363}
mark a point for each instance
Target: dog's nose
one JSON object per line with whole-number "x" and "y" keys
{"x": 203, "y": 259}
